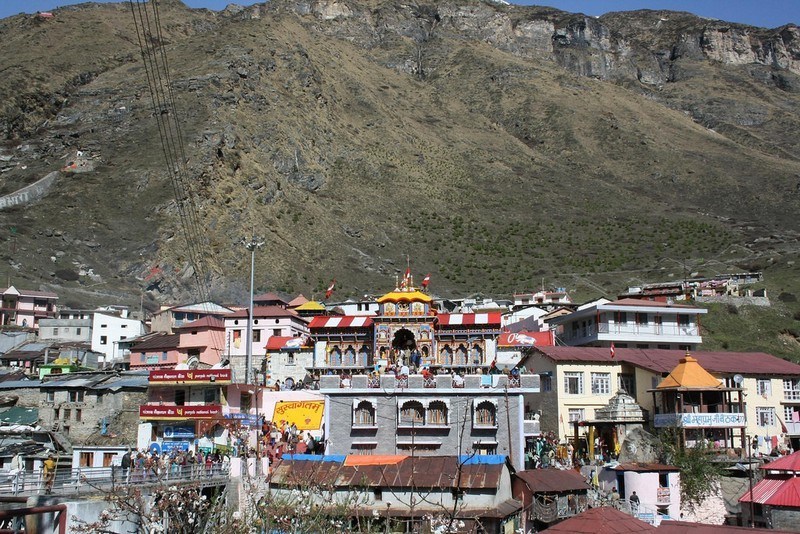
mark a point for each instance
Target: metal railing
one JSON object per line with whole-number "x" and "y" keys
{"x": 83, "y": 480}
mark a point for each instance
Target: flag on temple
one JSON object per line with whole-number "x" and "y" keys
{"x": 329, "y": 292}
{"x": 612, "y": 351}
{"x": 426, "y": 281}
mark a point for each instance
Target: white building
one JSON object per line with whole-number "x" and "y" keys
{"x": 632, "y": 323}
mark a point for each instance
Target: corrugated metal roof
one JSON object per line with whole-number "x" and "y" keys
{"x": 763, "y": 490}
{"x": 19, "y": 416}
{"x": 785, "y": 463}
{"x": 553, "y": 480}
{"x": 19, "y": 384}
{"x": 115, "y": 384}
{"x": 604, "y": 520}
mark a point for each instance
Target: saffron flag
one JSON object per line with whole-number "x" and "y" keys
{"x": 329, "y": 292}
{"x": 426, "y": 281}
{"x": 612, "y": 351}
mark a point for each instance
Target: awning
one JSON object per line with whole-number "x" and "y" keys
{"x": 467, "y": 319}
{"x": 525, "y": 339}
{"x": 347, "y": 321}
{"x": 286, "y": 343}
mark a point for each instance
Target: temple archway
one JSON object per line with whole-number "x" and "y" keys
{"x": 403, "y": 340}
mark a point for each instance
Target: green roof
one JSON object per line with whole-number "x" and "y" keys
{"x": 19, "y": 416}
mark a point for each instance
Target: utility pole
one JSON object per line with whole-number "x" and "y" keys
{"x": 252, "y": 245}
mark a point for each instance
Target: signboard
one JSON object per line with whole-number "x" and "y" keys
{"x": 700, "y": 420}
{"x": 210, "y": 411}
{"x": 307, "y": 415}
{"x": 178, "y": 432}
{"x": 168, "y": 446}
{"x": 190, "y": 376}
{"x": 246, "y": 419}
{"x": 526, "y": 339}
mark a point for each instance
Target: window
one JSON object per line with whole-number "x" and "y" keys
{"x": 791, "y": 414}
{"x": 103, "y": 340}
{"x": 641, "y": 319}
{"x": 100, "y": 398}
{"x": 76, "y": 396}
{"x": 211, "y": 396}
{"x": 601, "y": 383}
{"x": 412, "y": 413}
{"x": 684, "y": 320}
{"x": 765, "y": 416}
{"x": 123, "y": 326}
{"x": 180, "y": 397}
{"x": 78, "y": 331}
{"x": 764, "y": 387}
{"x": 142, "y": 357}
{"x": 78, "y": 414}
{"x": 55, "y": 331}
{"x": 573, "y": 383}
{"x": 575, "y": 414}
{"x": 627, "y": 383}
{"x": 67, "y": 414}
{"x": 546, "y": 383}
{"x": 364, "y": 414}
{"x": 51, "y": 396}
{"x": 485, "y": 414}
{"x": 276, "y": 331}
{"x": 245, "y": 403}
{"x": 290, "y": 359}
{"x": 622, "y": 317}
{"x": 164, "y": 356}
{"x": 437, "y": 413}
{"x": 256, "y": 335}
{"x": 103, "y": 326}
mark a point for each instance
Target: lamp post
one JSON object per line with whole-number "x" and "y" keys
{"x": 750, "y": 477}
{"x": 252, "y": 245}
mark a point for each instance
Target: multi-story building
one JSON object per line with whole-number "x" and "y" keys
{"x": 171, "y": 316}
{"x": 632, "y": 323}
{"x": 25, "y": 308}
{"x": 433, "y": 415}
{"x": 576, "y": 381}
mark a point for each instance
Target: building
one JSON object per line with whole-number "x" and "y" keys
{"x": 632, "y": 323}
{"x": 398, "y": 493}
{"x": 557, "y": 297}
{"x": 428, "y": 416}
{"x": 602, "y": 520}
{"x": 169, "y": 317}
{"x": 201, "y": 343}
{"x": 658, "y": 487}
{"x": 577, "y": 381}
{"x": 25, "y": 308}
{"x": 549, "y": 496}
{"x": 159, "y": 351}
{"x": 775, "y": 501}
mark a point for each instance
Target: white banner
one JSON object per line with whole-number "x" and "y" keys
{"x": 700, "y": 420}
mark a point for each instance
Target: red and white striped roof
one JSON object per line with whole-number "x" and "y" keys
{"x": 469, "y": 319}
{"x": 347, "y": 321}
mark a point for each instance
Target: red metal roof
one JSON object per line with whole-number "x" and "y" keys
{"x": 604, "y": 520}
{"x": 785, "y": 463}
{"x": 768, "y": 489}
{"x": 650, "y": 303}
{"x": 553, "y": 480}
{"x": 166, "y": 342}
{"x": 205, "y": 322}
{"x": 685, "y": 527}
{"x": 664, "y": 361}
{"x": 269, "y": 297}
{"x": 264, "y": 311}
{"x": 342, "y": 321}
{"x": 468, "y": 319}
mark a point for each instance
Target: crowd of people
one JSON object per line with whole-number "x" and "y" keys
{"x": 283, "y": 437}
{"x": 146, "y": 465}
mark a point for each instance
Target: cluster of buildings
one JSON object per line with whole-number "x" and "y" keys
{"x": 466, "y": 385}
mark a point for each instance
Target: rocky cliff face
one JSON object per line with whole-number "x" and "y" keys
{"x": 495, "y": 144}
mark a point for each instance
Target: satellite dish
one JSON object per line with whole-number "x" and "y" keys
{"x": 738, "y": 379}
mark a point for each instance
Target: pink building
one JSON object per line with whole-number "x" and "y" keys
{"x": 201, "y": 342}
{"x": 25, "y": 308}
{"x": 156, "y": 352}
{"x": 268, "y": 321}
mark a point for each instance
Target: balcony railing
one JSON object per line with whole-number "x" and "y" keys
{"x": 634, "y": 329}
{"x": 791, "y": 394}
{"x": 444, "y": 381}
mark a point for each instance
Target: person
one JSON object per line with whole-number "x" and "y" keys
{"x": 615, "y": 497}
{"x": 126, "y": 466}
{"x": 458, "y": 380}
{"x": 634, "y": 499}
{"x": 17, "y": 470}
{"x": 49, "y": 471}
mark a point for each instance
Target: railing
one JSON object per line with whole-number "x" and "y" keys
{"x": 83, "y": 480}
{"x": 634, "y": 329}
{"x": 791, "y": 394}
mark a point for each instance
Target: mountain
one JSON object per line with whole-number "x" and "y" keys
{"x": 498, "y": 147}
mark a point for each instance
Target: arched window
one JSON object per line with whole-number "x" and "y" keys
{"x": 363, "y": 355}
{"x": 412, "y": 412}
{"x": 446, "y": 355}
{"x": 477, "y": 354}
{"x": 437, "y": 413}
{"x": 485, "y": 414}
{"x": 350, "y": 355}
{"x": 461, "y": 355}
{"x": 336, "y": 356}
{"x": 364, "y": 414}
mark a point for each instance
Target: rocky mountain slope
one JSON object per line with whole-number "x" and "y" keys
{"x": 499, "y": 147}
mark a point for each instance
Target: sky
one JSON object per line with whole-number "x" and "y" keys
{"x": 769, "y": 13}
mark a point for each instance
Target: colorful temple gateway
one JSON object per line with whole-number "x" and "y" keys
{"x": 407, "y": 329}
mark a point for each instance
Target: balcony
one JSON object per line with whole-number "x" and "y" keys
{"x": 531, "y": 426}
{"x": 791, "y": 395}
{"x": 699, "y": 420}
{"x": 444, "y": 381}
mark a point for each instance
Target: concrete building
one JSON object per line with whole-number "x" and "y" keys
{"x": 484, "y": 414}
{"x": 632, "y": 323}
{"x": 25, "y": 308}
{"x": 169, "y": 317}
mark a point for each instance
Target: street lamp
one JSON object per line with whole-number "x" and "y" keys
{"x": 252, "y": 245}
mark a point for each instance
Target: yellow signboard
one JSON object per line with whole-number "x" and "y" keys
{"x": 307, "y": 415}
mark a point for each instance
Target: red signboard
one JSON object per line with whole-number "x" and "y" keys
{"x": 526, "y": 339}
{"x": 183, "y": 376}
{"x": 150, "y": 411}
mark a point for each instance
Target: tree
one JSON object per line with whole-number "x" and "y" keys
{"x": 700, "y": 476}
